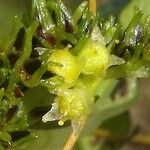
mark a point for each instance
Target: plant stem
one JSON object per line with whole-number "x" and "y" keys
{"x": 71, "y": 141}
{"x": 92, "y": 6}
{"x": 74, "y": 136}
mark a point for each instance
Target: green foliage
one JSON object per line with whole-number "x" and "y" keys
{"x": 33, "y": 77}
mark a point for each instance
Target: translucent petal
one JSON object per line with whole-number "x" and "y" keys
{"x": 53, "y": 114}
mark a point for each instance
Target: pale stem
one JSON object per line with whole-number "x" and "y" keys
{"x": 74, "y": 137}
{"x": 92, "y": 6}
{"x": 71, "y": 141}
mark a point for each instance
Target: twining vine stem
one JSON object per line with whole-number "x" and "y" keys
{"x": 71, "y": 141}
{"x": 73, "y": 137}
{"x": 92, "y": 6}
